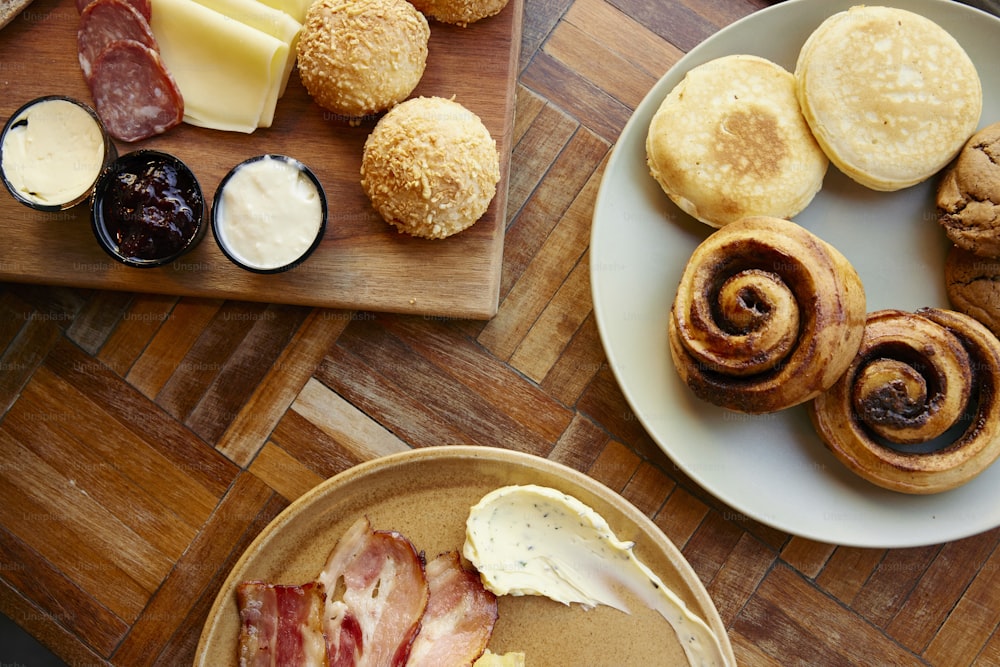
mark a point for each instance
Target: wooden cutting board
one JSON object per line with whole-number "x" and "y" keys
{"x": 362, "y": 262}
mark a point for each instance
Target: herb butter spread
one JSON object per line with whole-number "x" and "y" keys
{"x": 533, "y": 540}
{"x": 53, "y": 152}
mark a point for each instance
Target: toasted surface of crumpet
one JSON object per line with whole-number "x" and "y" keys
{"x": 890, "y": 95}
{"x": 729, "y": 141}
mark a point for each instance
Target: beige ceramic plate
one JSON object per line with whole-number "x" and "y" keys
{"x": 426, "y": 494}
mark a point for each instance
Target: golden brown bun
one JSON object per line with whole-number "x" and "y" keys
{"x": 430, "y": 167}
{"x": 767, "y": 315}
{"x": 968, "y": 199}
{"x": 917, "y": 379}
{"x": 362, "y": 57}
{"x": 459, "y": 12}
{"x": 889, "y": 94}
{"x": 729, "y": 141}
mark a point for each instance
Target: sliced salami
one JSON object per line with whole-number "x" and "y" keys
{"x": 145, "y": 7}
{"x": 134, "y": 94}
{"x": 105, "y": 21}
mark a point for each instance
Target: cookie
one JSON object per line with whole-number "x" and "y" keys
{"x": 973, "y": 286}
{"x": 968, "y": 197}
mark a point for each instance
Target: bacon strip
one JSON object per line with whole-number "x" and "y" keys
{"x": 385, "y": 593}
{"x": 281, "y": 625}
{"x": 459, "y": 619}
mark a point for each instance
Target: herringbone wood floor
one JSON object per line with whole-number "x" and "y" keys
{"x": 211, "y": 416}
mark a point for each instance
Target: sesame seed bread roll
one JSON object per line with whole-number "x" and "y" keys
{"x": 729, "y": 141}
{"x": 889, "y": 94}
{"x": 459, "y": 12}
{"x": 430, "y": 167}
{"x": 362, "y": 57}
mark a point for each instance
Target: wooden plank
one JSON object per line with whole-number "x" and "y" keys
{"x": 564, "y": 250}
{"x": 197, "y": 572}
{"x": 283, "y": 472}
{"x": 939, "y": 590}
{"x": 612, "y": 73}
{"x": 606, "y": 24}
{"x": 796, "y": 623}
{"x": 138, "y": 325}
{"x": 362, "y": 262}
{"x": 541, "y": 274}
{"x": 284, "y": 380}
{"x": 681, "y": 516}
{"x": 244, "y": 369}
{"x": 579, "y": 445}
{"x": 739, "y": 577}
{"x": 972, "y": 622}
{"x": 171, "y": 344}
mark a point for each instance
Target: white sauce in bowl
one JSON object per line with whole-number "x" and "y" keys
{"x": 53, "y": 151}
{"x": 268, "y": 213}
{"x": 533, "y": 540}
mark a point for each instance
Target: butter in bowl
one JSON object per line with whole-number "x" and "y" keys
{"x": 269, "y": 214}
{"x": 52, "y": 151}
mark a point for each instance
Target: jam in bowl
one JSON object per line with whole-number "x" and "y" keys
{"x": 148, "y": 209}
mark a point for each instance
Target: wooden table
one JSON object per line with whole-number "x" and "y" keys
{"x": 146, "y": 439}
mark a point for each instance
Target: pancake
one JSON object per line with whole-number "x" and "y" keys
{"x": 890, "y": 95}
{"x": 729, "y": 141}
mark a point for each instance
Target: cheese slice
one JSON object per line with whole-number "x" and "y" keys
{"x": 267, "y": 19}
{"x": 228, "y": 72}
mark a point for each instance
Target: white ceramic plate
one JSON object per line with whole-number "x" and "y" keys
{"x": 426, "y": 495}
{"x": 774, "y": 468}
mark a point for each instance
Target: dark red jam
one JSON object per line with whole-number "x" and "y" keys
{"x": 151, "y": 206}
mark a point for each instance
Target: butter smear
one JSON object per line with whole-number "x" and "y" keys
{"x": 533, "y": 540}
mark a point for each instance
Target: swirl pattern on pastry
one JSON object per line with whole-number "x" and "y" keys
{"x": 767, "y": 315}
{"x": 917, "y": 411}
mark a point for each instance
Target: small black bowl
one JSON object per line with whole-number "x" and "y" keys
{"x": 20, "y": 121}
{"x": 219, "y": 224}
{"x": 141, "y": 230}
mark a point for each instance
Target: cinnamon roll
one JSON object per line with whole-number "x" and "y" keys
{"x": 767, "y": 315}
{"x": 917, "y": 410}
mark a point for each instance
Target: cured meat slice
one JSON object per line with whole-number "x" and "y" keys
{"x": 105, "y": 21}
{"x": 134, "y": 94}
{"x": 145, "y": 7}
{"x": 385, "y": 593}
{"x": 281, "y": 625}
{"x": 459, "y": 619}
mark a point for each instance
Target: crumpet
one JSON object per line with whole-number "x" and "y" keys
{"x": 890, "y": 95}
{"x": 729, "y": 141}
